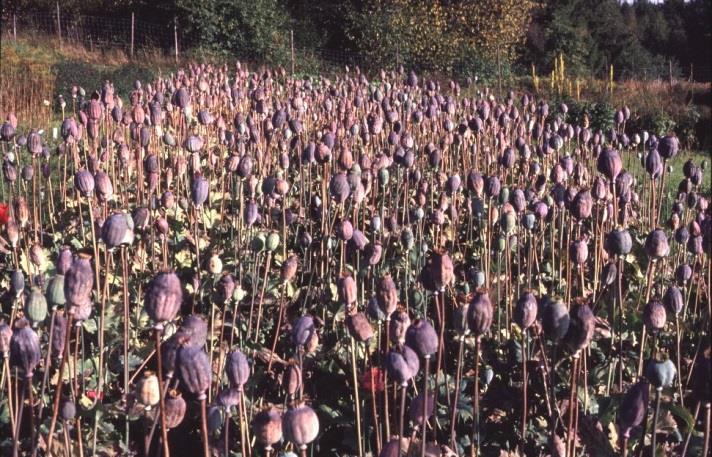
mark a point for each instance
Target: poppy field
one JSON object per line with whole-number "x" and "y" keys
{"x": 233, "y": 261}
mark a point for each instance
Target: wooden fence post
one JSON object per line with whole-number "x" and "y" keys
{"x": 132, "y": 33}
{"x": 175, "y": 36}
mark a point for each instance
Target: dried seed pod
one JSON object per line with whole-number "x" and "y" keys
{"x": 346, "y": 287}
{"x": 609, "y": 164}
{"x": 199, "y": 189}
{"x": 578, "y": 251}
{"x": 193, "y": 331}
{"x": 289, "y": 268}
{"x": 194, "y": 370}
{"x": 59, "y": 333}
{"x": 660, "y": 373}
{"x": 398, "y": 326}
{"x": 163, "y": 298}
{"x": 67, "y": 409}
{"x": 302, "y": 330}
{"x": 227, "y": 398}
{"x": 555, "y": 320}
{"x": 480, "y": 313}
{"x": 237, "y": 369}
{"x": 84, "y": 182}
{"x": 654, "y": 315}
{"x": 79, "y": 281}
{"x": 387, "y": 295}
{"x": 402, "y": 364}
{"x": 147, "y": 390}
{"x": 656, "y": 245}
{"x": 17, "y": 282}
{"x": 668, "y": 146}
{"x": 609, "y": 273}
{"x": 581, "y": 327}
{"x": 415, "y": 412}
{"x": 526, "y": 310}
{"x": 618, "y": 242}
{"x": 359, "y": 327}
{"x": 104, "y": 188}
{"x": 300, "y": 426}
{"x": 117, "y": 230}
{"x": 64, "y": 260}
{"x": 267, "y": 427}
{"x": 25, "y": 351}
{"x": 674, "y": 300}
{"x": 633, "y": 408}
{"x": 582, "y": 205}
{"x": 225, "y": 288}
{"x": 174, "y": 409}
{"x": 422, "y": 338}
{"x": 5, "y": 337}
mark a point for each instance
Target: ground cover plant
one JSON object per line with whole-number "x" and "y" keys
{"x": 230, "y": 260}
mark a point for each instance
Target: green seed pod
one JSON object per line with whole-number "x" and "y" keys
{"x": 55, "y": 291}
{"x": 272, "y": 241}
{"x": 258, "y": 243}
{"x": 508, "y": 222}
{"x": 36, "y": 307}
{"x": 501, "y": 244}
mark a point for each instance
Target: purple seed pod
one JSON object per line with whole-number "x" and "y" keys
{"x": 267, "y": 427}
{"x": 422, "y": 338}
{"x": 359, "y": 327}
{"x": 193, "y": 331}
{"x": 17, "y": 282}
{"x": 302, "y": 330}
{"x": 683, "y": 273}
{"x": 492, "y": 186}
{"x": 25, "y": 351}
{"x": 582, "y": 205}
{"x": 174, "y": 409}
{"x": 668, "y": 147}
{"x": 67, "y": 409}
{"x": 674, "y": 300}
{"x": 59, "y": 333}
{"x": 392, "y": 448}
{"x": 618, "y": 242}
{"x": 117, "y": 230}
{"x": 581, "y": 327}
{"x": 194, "y": 370}
{"x": 84, "y": 182}
{"x": 402, "y": 364}
{"x": 654, "y": 164}
{"x": 292, "y": 380}
{"x": 654, "y": 315}
{"x": 104, "y": 188}
{"x": 344, "y": 230}
{"x": 609, "y": 273}
{"x": 5, "y": 336}
{"x": 251, "y": 213}
{"x": 415, "y": 412}
{"x": 163, "y": 298}
{"x": 387, "y": 295}
{"x": 373, "y": 253}
{"x": 79, "y": 281}
{"x": 398, "y": 327}
{"x": 526, "y": 310}
{"x": 300, "y": 426}
{"x": 289, "y": 268}
{"x": 633, "y": 408}
{"x": 609, "y": 164}
{"x": 656, "y": 245}
{"x": 346, "y": 287}
{"x": 7, "y": 131}
{"x": 169, "y": 352}
{"x": 480, "y": 313}
{"x": 339, "y": 187}
{"x": 578, "y": 251}
{"x": 237, "y": 369}
{"x": 555, "y": 320}
{"x": 359, "y": 240}
{"x": 660, "y": 373}
{"x": 199, "y": 190}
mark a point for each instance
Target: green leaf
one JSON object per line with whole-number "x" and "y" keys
{"x": 681, "y": 413}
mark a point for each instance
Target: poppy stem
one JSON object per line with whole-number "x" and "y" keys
{"x": 204, "y": 426}
{"x": 162, "y": 404}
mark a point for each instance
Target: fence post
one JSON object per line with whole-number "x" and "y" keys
{"x": 59, "y": 27}
{"x": 132, "y": 34}
{"x": 175, "y": 36}
{"x": 291, "y": 45}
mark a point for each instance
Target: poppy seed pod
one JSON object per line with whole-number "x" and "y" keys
{"x": 64, "y": 260}
{"x": 174, "y": 409}
{"x": 618, "y": 242}
{"x": 147, "y": 390}
{"x": 36, "y": 306}
{"x": 193, "y": 331}
{"x": 84, "y": 182}
{"x": 633, "y": 408}
{"x": 346, "y": 287}
{"x": 289, "y": 268}
{"x": 422, "y": 338}
{"x": 24, "y": 348}
{"x": 339, "y": 187}
{"x": 526, "y": 310}
{"x": 237, "y": 369}
{"x": 67, "y": 409}
{"x": 668, "y": 146}
{"x": 199, "y": 190}
{"x": 480, "y": 313}
{"x": 492, "y": 186}
{"x": 683, "y": 273}
{"x": 660, "y": 373}
{"x": 59, "y": 334}
{"x": 578, "y": 251}
{"x": 654, "y": 164}
{"x": 163, "y": 298}
{"x": 302, "y": 330}
{"x": 555, "y": 320}
{"x": 609, "y": 273}
{"x": 267, "y": 427}
{"x": 581, "y": 327}
{"x": 398, "y": 327}
{"x": 609, "y": 164}
{"x": 300, "y": 426}
{"x": 402, "y": 364}
{"x": 674, "y": 300}
{"x": 5, "y": 337}
{"x": 359, "y": 327}
{"x": 440, "y": 270}
{"x": 194, "y": 370}
{"x": 654, "y": 316}
{"x": 415, "y": 412}
{"x": 656, "y": 245}
{"x": 582, "y": 205}
{"x": 117, "y": 230}
{"x": 387, "y": 294}
{"x": 79, "y": 281}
